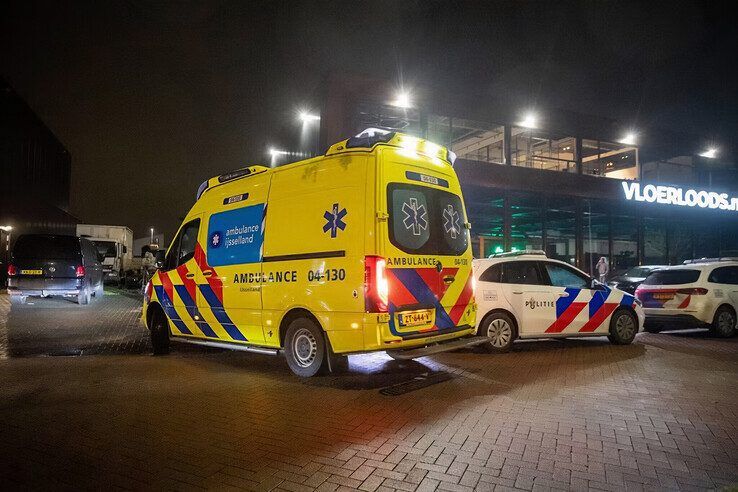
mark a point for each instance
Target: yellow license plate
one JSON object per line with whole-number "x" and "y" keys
{"x": 664, "y": 297}
{"x": 32, "y": 272}
{"x": 416, "y": 318}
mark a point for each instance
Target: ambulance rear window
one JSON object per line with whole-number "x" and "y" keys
{"x": 427, "y": 221}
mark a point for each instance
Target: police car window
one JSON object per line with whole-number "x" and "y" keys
{"x": 521, "y": 272}
{"x": 561, "y": 276}
{"x": 425, "y": 220}
{"x": 188, "y": 241}
{"x": 492, "y": 274}
{"x": 724, "y": 275}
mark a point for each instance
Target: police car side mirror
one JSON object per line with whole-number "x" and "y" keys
{"x": 596, "y": 285}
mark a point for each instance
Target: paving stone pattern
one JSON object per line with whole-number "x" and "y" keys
{"x": 570, "y": 414}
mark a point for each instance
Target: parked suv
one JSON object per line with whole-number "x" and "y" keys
{"x": 631, "y": 279}
{"x": 54, "y": 265}
{"x": 700, "y": 293}
{"x": 527, "y": 295}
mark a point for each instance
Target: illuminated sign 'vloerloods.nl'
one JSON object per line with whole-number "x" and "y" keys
{"x": 671, "y": 195}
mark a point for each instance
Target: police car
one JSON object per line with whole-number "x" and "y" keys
{"x": 527, "y": 295}
{"x": 699, "y": 293}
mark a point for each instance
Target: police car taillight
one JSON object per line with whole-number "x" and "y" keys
{"x": 376, "y": 286}
{"x": 12, "y": 270}
{"x": 80, "y": 272}
{"x": 697, "y": 291}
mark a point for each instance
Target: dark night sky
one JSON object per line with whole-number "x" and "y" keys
{"x": 151, "y": 98}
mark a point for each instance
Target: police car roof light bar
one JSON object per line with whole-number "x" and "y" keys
{"x": 507, "y": 254}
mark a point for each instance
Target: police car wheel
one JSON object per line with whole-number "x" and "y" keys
{"x": 304, "y": 347}
{"x": 623, "y": 327}
{"x": 159, "y": 331}
{"x": 500, "y": 330}
{"x": 723, "y": 324}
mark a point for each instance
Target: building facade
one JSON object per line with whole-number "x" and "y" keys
{"x": 35, "y": 175}
{"x": 577, "y": 186}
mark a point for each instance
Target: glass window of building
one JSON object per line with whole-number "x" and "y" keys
{"x": 679, "y": 234}
{"x": 406, "y": 120}
{"x": 469, "y": 139}
{"x": 611, "y": 160}
{"x": 707, "y": 239}
{"x": 540, "y": 150}
{"x": 526, "y": 221}
{"x": 595, "y": 233}
{"x": 728, "y": 235}
{"x": 487, "y": 217}
{"x": 561, "y": 229}
{"x": 654, "y": 241}
{"x": 624, "y": 240}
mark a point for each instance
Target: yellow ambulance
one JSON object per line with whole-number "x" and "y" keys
{"x": 365, "y": 248}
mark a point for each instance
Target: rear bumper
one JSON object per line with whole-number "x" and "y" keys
{"x": 675, "y": 321}
{"x": 45, "y": 287}
{"x": 702, "y": 316}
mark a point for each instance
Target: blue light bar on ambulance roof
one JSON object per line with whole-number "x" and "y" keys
{"x": 370, "y": 137}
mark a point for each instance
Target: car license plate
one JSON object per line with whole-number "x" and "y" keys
{"x": 32, "y": 272}
{"x": 663, "y": 296}
{"x": 416, "y": 318}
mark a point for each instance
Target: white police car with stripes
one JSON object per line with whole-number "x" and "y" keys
{"x": 527, "y": 295}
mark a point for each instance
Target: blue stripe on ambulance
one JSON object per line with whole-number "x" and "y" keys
{"x": 192, "y": 309}
{"x": 424, "y": 295}
{"x": 169, "y": 310}
{"x": 220, "y": 314}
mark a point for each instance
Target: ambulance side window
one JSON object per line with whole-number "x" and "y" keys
{"x": 183, "y": 247}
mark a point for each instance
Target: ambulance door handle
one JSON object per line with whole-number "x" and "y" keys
{"x": 448, "y": 279}
{"x": 207, "y": 273}
{"x": 190, "y": 275}
{"x": 517, "y": 292}
{"x": 563, "y": 294}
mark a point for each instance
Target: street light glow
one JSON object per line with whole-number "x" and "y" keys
{"x": 274, "y": 152}
{"x": 6, "y": 228}
{"x": 629, "y": 139}
{"x": 306, "y": 117}
{"x": 402, "y": 100}
{"x": 529, "y": 121}
{"x": 710, "y": 153}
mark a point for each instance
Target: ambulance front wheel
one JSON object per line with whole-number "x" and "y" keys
{"x": 159, "y": 331}
{"x": 500, "y": 329}
{"x": 304, "y": 347}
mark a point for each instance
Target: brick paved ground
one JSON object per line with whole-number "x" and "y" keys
{"x": 573, "y": 414}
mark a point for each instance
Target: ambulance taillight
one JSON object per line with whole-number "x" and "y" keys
{"x": 376, "y": 286}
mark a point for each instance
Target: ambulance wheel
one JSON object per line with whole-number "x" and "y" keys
{"x": 499, "y": 328}
{"x": 159, "y": 331}
{"x": 623, "y": 327}
{"x": 83, "y": 298}
{"x": 723, "y": 324}
{"x": 304, "y": 347}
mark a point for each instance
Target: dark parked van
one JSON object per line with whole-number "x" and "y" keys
{"x": 54, "y": 265}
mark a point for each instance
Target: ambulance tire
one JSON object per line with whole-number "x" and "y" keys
{"x": 501, "y": 330}
{"x": 623, "y": 327}
{"x": 159, "y": 331}
{"x": 723, "y": 324}
{"x": 304, "y": 348}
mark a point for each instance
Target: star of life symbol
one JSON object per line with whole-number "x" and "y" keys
{"x": 215, "y": 239}
{"x": 334, "y": 220}
{"x": 451, "y": 221}
{"x": 416, "y": 217}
